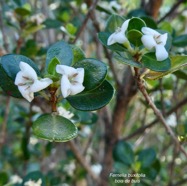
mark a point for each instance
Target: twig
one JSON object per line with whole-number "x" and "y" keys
{"x": 85, "y": 20}
{"x": 174, "y": 7}
{"x": 4, "y": 123}
{"x": 142, "y": 129}
{"x": 157, "y": 112}
{"x": 82, "y": 161}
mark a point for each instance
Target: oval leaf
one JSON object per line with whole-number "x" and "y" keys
{"x": 180, "y": 41}
{"x": 149, "y": 61}
{"x": 136, "y": 24}
{"x": 62, "y": 51}
{"x": 123, "y": 153}
{"x": 54, "y": 128}
{"x": 9, "y": 67}
{"x": 93, "y": 100}
{"x": 95, "y": 72}
{"x": 134, "y": 36}
{"x": 127, "y": 61}
{"x": 113, "y": 22}
{"x": 177, "y": 63}
{"x": 78, "y": 54}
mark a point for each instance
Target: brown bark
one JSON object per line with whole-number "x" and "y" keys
{"x": 113, "y": 129}
{"x": 152, "y": 7}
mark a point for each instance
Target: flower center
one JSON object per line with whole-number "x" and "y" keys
{"x": 28, "y": 81}
{"x": 118, "y": 30}
{"x": 157, "y": 39}
{"x": 72, "y": 78}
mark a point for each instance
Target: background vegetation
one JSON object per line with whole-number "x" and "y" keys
{"x": 123, "y": 137}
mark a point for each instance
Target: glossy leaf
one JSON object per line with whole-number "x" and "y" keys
{"x": 103, "y": 37}
{"x": 123, "y": 153}
{"x": 94, "y": 99}
{"x": 180, "y": 41}
{"x": 147, "y": 157}
{"x": 114, "y": 22}
{"x": 9, "y": 67}
{"x": 149, "y": 61}
{"x": 177, "y": 62}
{"x": 62, "y": 51}
{"x": 149, "y": 22}
{"x": 52, "y": 66}
{"x": 134, "y": 36}
{"x": 34, "y": 176}
{"x": 78, "y": 54}
{"x": 3, "y": 178}
{"x": 94, "y": 72}
{"x": 54, "y": 128}
{"x": 136, "y": 24}
{"x": 24, "y": 10}
{"x": 127, "y": 61}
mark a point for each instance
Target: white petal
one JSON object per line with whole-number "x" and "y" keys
{"x": 25, "y": 92}
{"x": 65, "y": 70}
{"x": 162, "y": 39}
{"x": 40, "y": 84}
{"x": 161, "y": 53}
{"x": 116, "y": 38}
{"x": 149, "y": 31}
{"x": 148, "y": 41}
{"x": 76, "y": 88}
{"x": 27, "y": 70}
{"x": 125, "y": 25}
{"x": 65, "y": 86}
{"x": 80, "y": 75}
{"x": 19, "y": 78}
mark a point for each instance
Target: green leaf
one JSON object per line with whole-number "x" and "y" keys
{"x": 52, "y": 66}
{"x": 147, "y": 157}
{"x": 24, "y": 10}
{"x": 149, "y": 22}
{"x": 3, "y": 178}
{"x": 113, "y": 22}
{"x": 9, "y": 67}
{"x": 62, "y": 51}
{"x": 71, "y": 28}
{"x": 177, "y": 63}
{"x": 103, "y": 37}
{"x": 180, "y": 41}
{"x": 123, "y": 153}
{"x": 86, "y": 118}
{"x": 136, "y": 24}
{"x": 31, "y": 29}
{"x": 94, "y": 99}
{"x": 149, "y": 61}
{"x": 95, "y": 72}
{"x": 166, "y": 26}
{"x": 34, "y": 176}
{"x": 181, "y": 74}
{"x": 127, "y": 61}
{"x": 52, "y": 23}
{"x": 54, "y": 128}
{"x": 78, "y": 54}
{"x": 134, "y": 36}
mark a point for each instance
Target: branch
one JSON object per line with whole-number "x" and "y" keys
{"x": 85, "y": 20}
{"x": 157, "y": 112}
{"x": 142, "y": 129}
{"x": 174, "y": 7}
{"x": 82, "y": 161}
{"x": 4, "y": 123}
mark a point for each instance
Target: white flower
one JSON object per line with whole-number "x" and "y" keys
{"x": 70, "y": 168}
{"x": 119, "y": 35}
{"x": 15, "y": 179}
{"x": 33, "y": 183}
{"x": 153, "y": 39}
{"x": 38, "y": 18}
{"x": 71, "y": 81}
{"x": 28, "y": 82}
{"x": 65, "y": 113}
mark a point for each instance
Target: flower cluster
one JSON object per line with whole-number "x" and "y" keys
{"x": 28, "y": 82}
{"x": 151, "y": 39}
